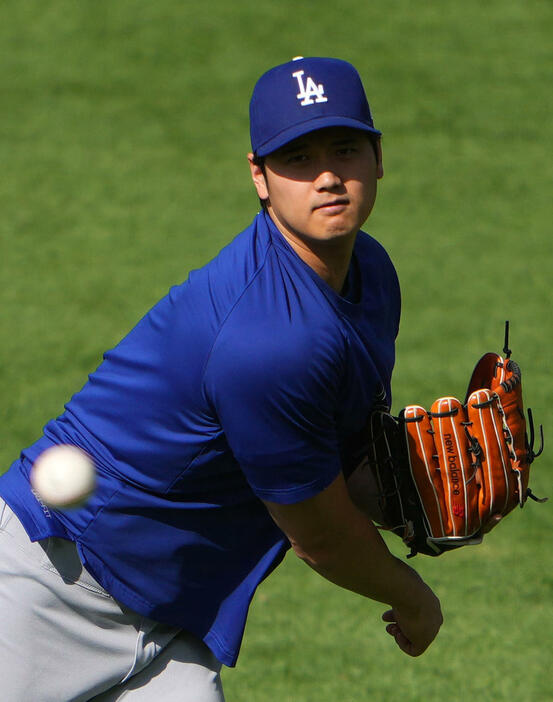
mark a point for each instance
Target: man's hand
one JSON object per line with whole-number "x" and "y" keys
{"x": 414, "y": 628}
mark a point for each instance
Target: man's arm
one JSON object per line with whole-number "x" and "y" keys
{"x": 335, "y": 539}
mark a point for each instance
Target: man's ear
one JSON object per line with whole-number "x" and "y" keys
{"x": 258, "y": 177}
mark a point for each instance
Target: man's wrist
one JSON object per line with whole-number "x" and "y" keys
{"x": 408, "y": 591}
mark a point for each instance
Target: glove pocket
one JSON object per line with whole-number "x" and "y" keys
{"x": 457, "y": 467}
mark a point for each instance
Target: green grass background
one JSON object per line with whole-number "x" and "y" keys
{"x": 123, "y": 134}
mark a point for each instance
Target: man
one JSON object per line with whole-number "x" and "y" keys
{"x": 221, "y": 427}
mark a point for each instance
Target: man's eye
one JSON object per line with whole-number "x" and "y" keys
{"x": 347, "y": 151}
{"x": 297, "y": 158}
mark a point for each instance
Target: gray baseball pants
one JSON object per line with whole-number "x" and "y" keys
{"x": 65, "y": 639}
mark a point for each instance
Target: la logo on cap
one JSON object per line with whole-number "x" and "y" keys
{"x": 309, "y": 90}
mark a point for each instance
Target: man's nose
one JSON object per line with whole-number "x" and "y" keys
{"x": 328, "y": 179}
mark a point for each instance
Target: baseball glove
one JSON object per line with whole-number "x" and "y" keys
{"x": 442, "y": 478}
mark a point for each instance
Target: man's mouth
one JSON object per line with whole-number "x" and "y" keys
{"x": 336, "y": 205}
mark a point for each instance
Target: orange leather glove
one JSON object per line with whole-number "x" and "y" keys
{"x": 442, "y": 478}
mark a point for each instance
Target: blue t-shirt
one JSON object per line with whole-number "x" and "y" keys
{"x": 244, "y": 382}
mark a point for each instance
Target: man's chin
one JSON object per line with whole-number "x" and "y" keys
{"x": 335, "y": 229}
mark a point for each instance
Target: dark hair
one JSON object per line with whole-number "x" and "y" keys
{"x": 260, "y": 161}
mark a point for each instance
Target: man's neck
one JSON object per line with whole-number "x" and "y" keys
{"x": 331, "y": 265}
{"x": 329, "y": 259}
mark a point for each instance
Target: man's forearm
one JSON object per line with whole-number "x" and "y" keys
{"x": 362, "y": 563}
{"x": 359, "y": 560}
{"x": 338, "y": 541}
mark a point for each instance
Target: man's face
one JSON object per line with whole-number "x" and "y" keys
{"x": 320, "y": 187}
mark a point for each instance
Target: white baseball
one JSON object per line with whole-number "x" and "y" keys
{"x": 63, "y": 477}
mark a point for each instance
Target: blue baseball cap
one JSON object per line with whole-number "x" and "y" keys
{"x": 303, "y": 95}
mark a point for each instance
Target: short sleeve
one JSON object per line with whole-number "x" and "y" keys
{"x": 275, "y": 393}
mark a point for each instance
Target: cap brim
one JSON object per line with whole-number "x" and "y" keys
{"x": 311, "y": 125}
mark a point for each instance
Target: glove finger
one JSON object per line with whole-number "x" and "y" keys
{"x": 489, "y": 372}
{"x": 498, "y": 483}
{"x": 510, "y": 395}
{"x": 504, "y": 377}
{"x": 425, "y": 468}
{"x": 457, "y": 467}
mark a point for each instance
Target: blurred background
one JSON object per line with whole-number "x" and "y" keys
{"x": 123, "y": 134}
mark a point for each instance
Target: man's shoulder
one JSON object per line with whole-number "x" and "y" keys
{"x": 213, "y": 289}
{"x": 375, "y": 262}
{"x": 286, "y": 315}
{"x": 366, "y": 246}
{"x": 280, "y": 323}
{"x": 239, "y": 259}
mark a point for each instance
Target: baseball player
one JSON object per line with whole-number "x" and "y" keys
{"x": 220, "y": 427}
